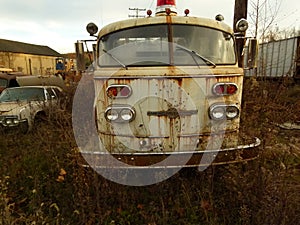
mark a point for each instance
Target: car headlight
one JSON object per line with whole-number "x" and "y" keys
{"x": 10, "y": 121}
{"x": 222, "y": 112}
{"x": 119, "y": 113}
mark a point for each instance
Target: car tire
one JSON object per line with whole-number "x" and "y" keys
{"x": 24, "y": 127}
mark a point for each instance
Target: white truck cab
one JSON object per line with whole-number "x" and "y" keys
{"x": 168, "y": 92}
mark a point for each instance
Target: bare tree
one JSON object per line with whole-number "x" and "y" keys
{"x": 263, "y": 15}
{"x": 288, "y": 33}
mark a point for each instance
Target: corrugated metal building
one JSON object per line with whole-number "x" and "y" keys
{"x": 27, "y": 58}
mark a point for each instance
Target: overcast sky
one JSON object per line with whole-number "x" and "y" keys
{"x": 60, "y": 23}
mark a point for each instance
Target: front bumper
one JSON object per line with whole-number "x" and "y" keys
{"x": 11, "y": 121}
{"x": 20, "y": 126}
{"x": 241, "y": 153}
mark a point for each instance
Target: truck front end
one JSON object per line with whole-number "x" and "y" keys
{"x": 168, "y": 92}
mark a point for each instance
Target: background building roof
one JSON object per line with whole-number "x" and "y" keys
{"x": 20, "y": 47}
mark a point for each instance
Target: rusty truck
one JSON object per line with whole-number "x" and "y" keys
{"x": 167, "y": 92}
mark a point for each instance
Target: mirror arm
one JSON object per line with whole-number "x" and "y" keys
{"x": 240, "y": 36}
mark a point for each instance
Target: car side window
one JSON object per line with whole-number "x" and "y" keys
{"x": 50, "y": 94}
{"x": 57, "y": 92}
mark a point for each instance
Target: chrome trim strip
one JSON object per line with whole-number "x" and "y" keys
{"x": 179, "y": 136}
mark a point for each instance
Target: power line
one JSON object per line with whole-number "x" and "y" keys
{"x": 151, "y": 4}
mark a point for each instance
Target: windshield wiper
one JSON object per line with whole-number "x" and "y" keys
{"x": 114, "y": 58}
{"x": 193, "y": 53}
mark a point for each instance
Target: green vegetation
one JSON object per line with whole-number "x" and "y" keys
{"x": 41, "y": 181}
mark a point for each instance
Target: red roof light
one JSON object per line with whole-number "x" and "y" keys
{"x": 149, "y": 12}
{"x": 162, "y": 5}
{"x": 165, "y": 2}
{"x": 186, "y": 12}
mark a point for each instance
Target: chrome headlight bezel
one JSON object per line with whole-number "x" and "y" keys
{"x": 111, "y": 114}
{"x": 9, "y": 121}
{"x": 222, "y": 111}
{"x": 121, "y": 113}
{"x": 232, "y": 112}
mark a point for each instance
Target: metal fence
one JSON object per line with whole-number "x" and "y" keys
{"x": 276, "y": 59}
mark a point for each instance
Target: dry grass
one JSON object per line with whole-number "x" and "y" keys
{"x": 42, "y": 183}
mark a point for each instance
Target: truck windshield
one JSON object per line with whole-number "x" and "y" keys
{"x": 156, "y": 45}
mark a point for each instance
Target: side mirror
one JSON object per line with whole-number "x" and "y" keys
{"x": 252, "y": 53}
{"x": 94, "y": 51}
{"x": 79, "y": 49}
{"x": 92, "y": 29}
{"x": 241, "y": 25}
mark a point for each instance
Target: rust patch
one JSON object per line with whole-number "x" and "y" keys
{"x": 172, "y": 113}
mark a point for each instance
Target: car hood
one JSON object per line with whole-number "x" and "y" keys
{"x": 6, "y": 107}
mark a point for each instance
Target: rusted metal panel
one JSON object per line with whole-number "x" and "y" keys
{"x": 171, "y": 113}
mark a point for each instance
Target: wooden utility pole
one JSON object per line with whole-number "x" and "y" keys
{"x": 240, "y": 12}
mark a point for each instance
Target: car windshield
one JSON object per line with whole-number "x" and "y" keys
{"x": 3, "y": 82}
{"x": 22, "y": 94}
{"x": 158, "y": 45}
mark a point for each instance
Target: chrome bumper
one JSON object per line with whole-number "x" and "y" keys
{"x": 154, "y": 160}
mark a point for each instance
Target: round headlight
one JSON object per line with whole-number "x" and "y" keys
{"x": 8, "y": 121}
{"x": 232, "y": 112}
{"x": 218, "y": 113}
{"x": 242, "y": 25}
{"x": 127, "y": 114}
{"x": 92, "y": 29}
{"x": 111, "y": 115}
{"x": 16, "y": 121}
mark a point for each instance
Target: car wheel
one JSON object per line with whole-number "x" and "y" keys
{"x": 24, "y": 127}
{"x": 39, "y": 119}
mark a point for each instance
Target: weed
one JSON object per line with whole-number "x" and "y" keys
{"x": 42, "y": 181}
